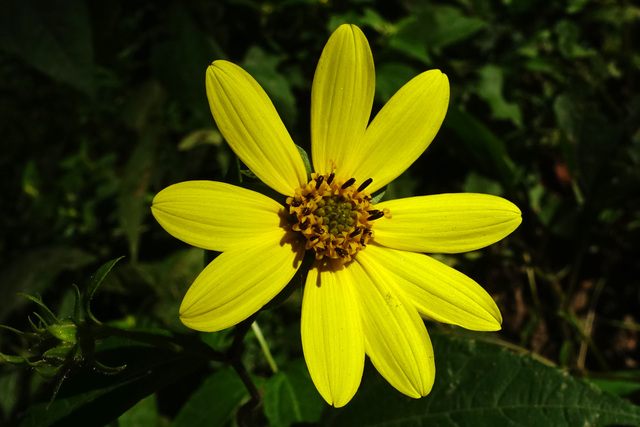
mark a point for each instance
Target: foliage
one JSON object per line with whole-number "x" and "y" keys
{"x": 103, "y": 105}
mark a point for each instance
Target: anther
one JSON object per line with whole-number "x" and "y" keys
{"x": 295, "y": 203}
{"x": 306, "y": 211}
{"x": 319, "y": 181}
{"x": 312, "y": 238}
{"x": 330, "y": 179}
{"x": 348, "y": 184}
{"x": 365, "y": 184}
{"x": 355, "y": 232}
{"x": 375, "y": 215}
{"x": 343, "y": 253}
{"x": 305, "y": 224}
{"x": 318, "y": 229}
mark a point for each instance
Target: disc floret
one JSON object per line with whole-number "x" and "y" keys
{"x": 334, "y": 215}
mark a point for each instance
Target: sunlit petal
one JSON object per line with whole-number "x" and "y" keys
{"x": 446, "y": 223}
{"x": 437, "y": 290}
{"x": 332, "y": 336}
{"x": 341, "y": 100}
{"x": 214, "y": 215}
{"x": 251, "y": 125}
{"x": 403, "y": 129}
{"x": 396, "y": 338}
{"x": 240, "y": 281}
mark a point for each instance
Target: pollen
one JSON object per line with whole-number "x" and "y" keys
{"x": 335, "y": 215}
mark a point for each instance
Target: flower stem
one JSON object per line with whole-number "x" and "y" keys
{"x": 265, "y": 348}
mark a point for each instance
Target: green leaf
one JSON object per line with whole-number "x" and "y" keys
{"x": 92, "y": 398}
{"x": 490, "y": 89}
{"x": 53, "y": 36}
{"x": 305, "y": 161}
{"x": 451, "y": 25}
{"x": 214, "y": 403}
{"x": 96, "y": 279}
{"x": 488, "y": 150}
{"x": 35, "y": 271}
{"x": 143, "y": 413}
{"x": 483, "y": 384}
{"x": 290, "y": 396}
{"x": 619, "y": 383}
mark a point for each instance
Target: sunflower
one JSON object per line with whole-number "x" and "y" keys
{"x": 370, "y": 282}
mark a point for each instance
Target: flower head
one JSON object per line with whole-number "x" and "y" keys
{"x": 370, "y": 282}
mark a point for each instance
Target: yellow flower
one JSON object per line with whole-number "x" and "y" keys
{"x": 370, "y": 282}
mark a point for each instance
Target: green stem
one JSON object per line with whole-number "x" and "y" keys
{"x": 265, "y": 348}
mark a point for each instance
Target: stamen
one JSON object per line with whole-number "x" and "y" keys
{"x": 330, "y": 179}
{"x": 355, "y": 232}
{"x": 348, "y": 184}
{"x": 296, "y": 203}
{"x": 375, "y": 215}
{"x": 305, "y": 224}
{"x": 365, "y": 184}
{"x": 319, "y": 181}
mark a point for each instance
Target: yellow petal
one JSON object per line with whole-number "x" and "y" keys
{"x": 437, "y": 290}
{"x": 332, "y": 337}
{"x": 251, "y": 125}
{"x": 396, "y": 339}
{"x": 446, "y": 223}
{"x": 403, "y": 129}
{"x": 240, "y": 281}
{"x": 214, "y": 215}
{"x": 341, "y": 100}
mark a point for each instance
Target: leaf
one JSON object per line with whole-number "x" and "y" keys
{"x": 91, "y": 398}
{"x": 143, "y": 413}
{"x": 95, "y": 281}
{"x": 53, "y": 36}
{"x": 451, "y": 26}
{"x": 290, "y": 397}
{"x": 390, "y": 77}
{"x": 214, "y": 403}
{"x": 487, "y": 149}
{"x": 490, "y": 89}
{"x": 34, "y": 272}
{"x": 478, "y": 384}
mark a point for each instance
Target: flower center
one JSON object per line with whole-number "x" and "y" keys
{"x": 334, "y": 215}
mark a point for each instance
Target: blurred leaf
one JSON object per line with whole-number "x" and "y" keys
{"x": 35, "y": 271}
{"x": 9, "y": 390}
{"x": 290, "y": 396}
{"x": 53, "y": 36}
{"x": 409, "y": 38}
{"x": 181, "y": 60}
{"x": 200, "y": 137}
{"x": 479, "y": 184}
{"x": 487, "y": 149}
{"x": 214, "y": 403}
{"x": 568, "y": 45}
{"x": 451, "y": 26}
{"x": 490, "y": 89}
{"x": 142, "y": 414}
{"x": 264, "y": 68}
{"x": 621, "y": 386}
{"x": 390, "y": 77}
{"x": 480, "y": 384}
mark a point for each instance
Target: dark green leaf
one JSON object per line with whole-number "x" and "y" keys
{"x": 490, "y": 89}
{"x": 92, "y": 398}
{"x": 95, "y": 281}
{"x": 482, "y": 384}
{"x": 290, "y": 396}
{"x": 35, "y": 271}
{"x": 53, "y": 36}
{"x": 214, "y": 403}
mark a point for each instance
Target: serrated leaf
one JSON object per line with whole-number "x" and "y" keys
{"x": 290, "y": 397}
{"x": 214, "y": 403}
{"x": 482, "y": 384}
